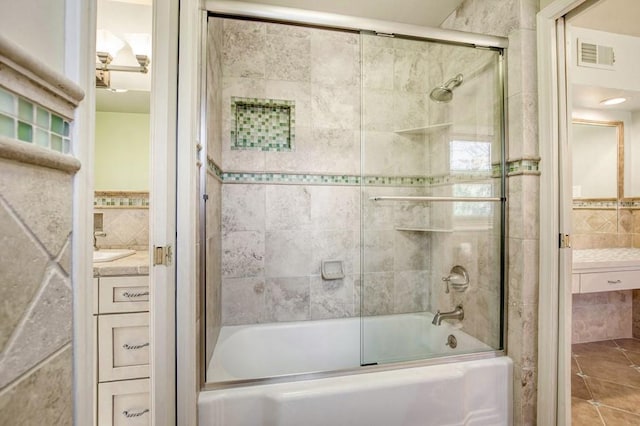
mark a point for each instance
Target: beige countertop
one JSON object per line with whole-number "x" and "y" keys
{"x": 136, "y": 264}
{"x": 605, "y": 258}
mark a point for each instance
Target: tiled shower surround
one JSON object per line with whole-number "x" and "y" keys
{"x": 281, "y": 213}
{"x": 516, "y": 20}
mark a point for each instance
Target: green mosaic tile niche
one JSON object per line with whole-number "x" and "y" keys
{"x": 262, "y": 124}
{"x": 23, "y": 120}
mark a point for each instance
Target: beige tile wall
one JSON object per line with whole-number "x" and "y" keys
{"x": 602, "y": 316}
{"x": 35, "y": 295}
{"x": 515, "y": 19}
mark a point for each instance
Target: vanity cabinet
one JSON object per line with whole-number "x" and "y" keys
{"x": 598, "y": 270}
{"x": 122, "y": 350}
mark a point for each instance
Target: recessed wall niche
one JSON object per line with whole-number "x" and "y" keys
{"x": 262, "y": 124}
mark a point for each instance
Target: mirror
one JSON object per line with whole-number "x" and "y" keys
{"x": 598, "y": 159}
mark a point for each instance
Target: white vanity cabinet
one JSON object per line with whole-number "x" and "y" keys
{"x": 122, "y": 350}
{"x": 597, "y": 270}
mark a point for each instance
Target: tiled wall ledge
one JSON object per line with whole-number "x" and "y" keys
{"x": 121, "y": 199}
{"x": 33, "y": 80}
{"x": 11, "y": 149}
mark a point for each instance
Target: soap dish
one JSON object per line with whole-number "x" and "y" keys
{"x": 332, "y": 269}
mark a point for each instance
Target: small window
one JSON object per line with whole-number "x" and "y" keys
{"x": 472, "y": 158}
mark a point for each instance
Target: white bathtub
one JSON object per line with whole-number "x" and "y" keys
{"x": 476, "y": 392}
{"x": 276, "y": 349}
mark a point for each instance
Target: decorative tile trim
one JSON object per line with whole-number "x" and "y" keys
{"x": 605, "y": 204}
{"x": 523, "y": 166}
{"x": 290, "y": 178}
{"x": 28, "y": 122}
{"x": 121, "y": 199}
{"x": 329, "y": 179}
{"x": 262, "y": 124}
{"x": 36, "y": 81}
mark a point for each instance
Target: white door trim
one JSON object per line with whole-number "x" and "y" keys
{"x": 189, "y": 104}
{"x": 554, "y": 331}
{"x": 162, "y": 211}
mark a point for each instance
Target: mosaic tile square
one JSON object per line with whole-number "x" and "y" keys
{"x": 262, "y": 124}
{"x": 7, "y": 126}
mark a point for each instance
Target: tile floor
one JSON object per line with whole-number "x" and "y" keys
{"x": 605, "y": 383}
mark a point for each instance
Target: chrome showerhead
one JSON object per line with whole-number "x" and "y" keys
{"x": 444, "y": 93}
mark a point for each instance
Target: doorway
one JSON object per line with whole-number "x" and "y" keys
{"x": 589, "y": 311}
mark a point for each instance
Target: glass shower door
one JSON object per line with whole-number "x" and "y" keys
{"x": 432, "y": 200}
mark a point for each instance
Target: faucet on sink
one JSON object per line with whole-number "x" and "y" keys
{"x": 457, "y": 313}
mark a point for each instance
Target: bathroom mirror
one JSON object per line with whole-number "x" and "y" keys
{"x": 598, "y": 159}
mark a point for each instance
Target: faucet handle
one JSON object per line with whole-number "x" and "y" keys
{"x": 446, "y": 280}
{"x": 458, "y": 278}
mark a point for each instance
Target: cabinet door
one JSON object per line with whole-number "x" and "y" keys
{"x": 125, "y": 403}
{"x": 124, "y": 294}
{"x": 123, "y": 346}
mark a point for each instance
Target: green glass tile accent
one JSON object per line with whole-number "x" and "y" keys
{"x": 262, "y": 124}
{"x": 25, "y": 131}
{"x": 66, "y": 145}
{"x": 7, "y": 126}
{"x": 42, "y": 138}
{"x": 65, "y": 130}
{"x": 56, "y": 143}
{"x": 7, "y": 102}
{"x": 57, "y": 125}
{"x": 42, "y": 118}
{"x": 25, "y": 110}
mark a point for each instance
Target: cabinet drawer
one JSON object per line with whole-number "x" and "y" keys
{"x": 125, "y": 403}
{"x": 575, "y": 283}
{"x": 609, "y": 281}
{"x": 124, "y": 294}
{"x": 123, "y": 346}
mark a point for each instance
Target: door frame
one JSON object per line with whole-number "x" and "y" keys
{"x": 554, "y": 326}
{"x": 80, "y": 30}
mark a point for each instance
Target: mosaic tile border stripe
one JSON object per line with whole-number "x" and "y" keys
{"x": 606, "y": 204}
{"x": 521, "y": 166}
{"x": 514, "y": 167}
{"x": 262, "y": 124}
{"x": 28, "y": 122}
{"x": 121, "y": 199}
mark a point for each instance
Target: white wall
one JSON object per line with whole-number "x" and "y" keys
{"x": 37, "y": 26}
{"x": 624, "y": 74}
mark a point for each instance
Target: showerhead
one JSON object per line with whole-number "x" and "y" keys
{"x": 444, "y": 93}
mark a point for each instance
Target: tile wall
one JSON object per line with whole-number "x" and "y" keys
{"x": 35, "y": 290}
{"x": 605, "y": 228}
{"x": 125, "y": 219}
{"x": 602, "y": 316}
{"x": 516, "y": 20}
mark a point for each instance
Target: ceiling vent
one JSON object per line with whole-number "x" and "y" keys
{"x": 595, "y": 56}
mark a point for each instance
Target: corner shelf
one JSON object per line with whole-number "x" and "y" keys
{"x": 409, "y": 229}
{"x": 424, "y": 130}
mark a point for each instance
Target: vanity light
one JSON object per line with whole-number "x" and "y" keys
{"x": 613, "y": 101}
{"x": 108, "y": 46}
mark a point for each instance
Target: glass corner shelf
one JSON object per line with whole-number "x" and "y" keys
{"x": 424, "y": 130}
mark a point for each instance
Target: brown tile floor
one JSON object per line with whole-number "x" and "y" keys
{"x": 605, "y": 383}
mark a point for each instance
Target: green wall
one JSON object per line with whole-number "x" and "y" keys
{"x": 122, "y": 152}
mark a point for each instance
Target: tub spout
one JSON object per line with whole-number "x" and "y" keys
{"x": 457, "y": 313}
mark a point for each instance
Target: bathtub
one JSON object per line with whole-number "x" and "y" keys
{"x": 455, "y": 392}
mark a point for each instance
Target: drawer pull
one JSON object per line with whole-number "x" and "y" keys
{"x": 131, "y": 414}
{"x": 614, "y": 282}
{"x": 134, "y": 347}
{"x": 134, "y": 295}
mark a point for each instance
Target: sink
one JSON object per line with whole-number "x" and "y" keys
{"x": 107, "y": 255}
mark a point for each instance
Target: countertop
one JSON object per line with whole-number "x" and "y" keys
{"x": 606, "y": 258}
{"x": 136, "y": 264}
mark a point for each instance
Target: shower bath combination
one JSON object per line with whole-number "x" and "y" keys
{"x": 444, "y": 93}
{"x": 337, "y": 199}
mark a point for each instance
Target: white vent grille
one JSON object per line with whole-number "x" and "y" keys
{"x": 594, "y": 55}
